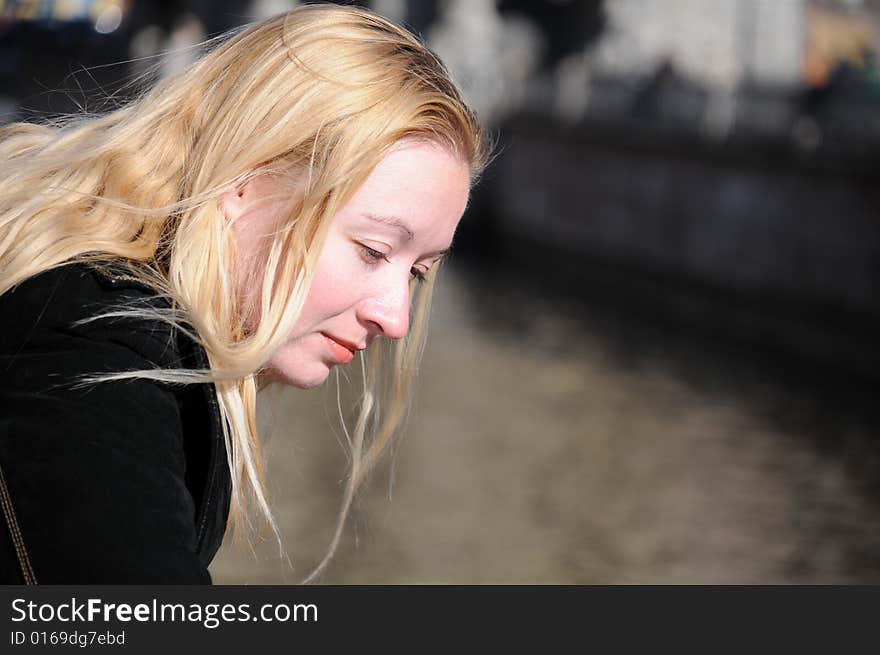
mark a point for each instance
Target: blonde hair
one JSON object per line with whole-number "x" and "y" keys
{"x": 324, "y": 89}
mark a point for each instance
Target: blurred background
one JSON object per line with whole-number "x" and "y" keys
{"x": 653, "y": 356}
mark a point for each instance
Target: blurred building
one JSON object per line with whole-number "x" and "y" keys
{"x": 716, "y": 43}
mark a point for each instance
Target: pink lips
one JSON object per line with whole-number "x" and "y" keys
{"x": 341, "y": 353}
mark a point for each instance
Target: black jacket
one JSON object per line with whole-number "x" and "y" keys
{"x": 119, "y": 482}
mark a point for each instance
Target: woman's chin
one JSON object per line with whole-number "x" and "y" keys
{"x": 302, "y": 377}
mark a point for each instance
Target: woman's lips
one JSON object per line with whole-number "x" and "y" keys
{"x": 342, "y": 354}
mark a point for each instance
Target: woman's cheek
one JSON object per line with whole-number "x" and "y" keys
{"x": 336, "y": 283}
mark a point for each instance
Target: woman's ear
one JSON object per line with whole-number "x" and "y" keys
{"x": 253, "y": 210}
{"x": 233, "y": 202}
{"x": 260, "y": 192}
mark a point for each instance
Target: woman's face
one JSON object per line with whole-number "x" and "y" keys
{"x": 395, "y": 227}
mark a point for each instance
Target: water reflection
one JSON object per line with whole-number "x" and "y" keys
{"x": 567, "y": 437}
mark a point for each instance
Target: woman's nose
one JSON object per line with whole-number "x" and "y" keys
{"x": 388, "y": 311}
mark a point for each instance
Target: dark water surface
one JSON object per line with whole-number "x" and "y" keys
{"x": 561, "y": 436}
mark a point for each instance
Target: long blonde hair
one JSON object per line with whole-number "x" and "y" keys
{"x": 323, "y": 89}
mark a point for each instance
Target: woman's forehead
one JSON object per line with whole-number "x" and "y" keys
{"x": 414, "y": 186}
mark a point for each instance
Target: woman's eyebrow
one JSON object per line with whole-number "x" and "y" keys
{"x": 393, "y": 221}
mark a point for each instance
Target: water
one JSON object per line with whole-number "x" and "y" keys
{"x": 565, "y": 438}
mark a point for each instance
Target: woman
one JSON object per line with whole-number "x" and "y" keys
{"x": 276, "y": 210}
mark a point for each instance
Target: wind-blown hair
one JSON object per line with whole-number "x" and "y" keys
{"x": 322, "y": 91}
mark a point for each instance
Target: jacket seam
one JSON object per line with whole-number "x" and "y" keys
{"x": 21, "y": 553}
{"x": 212, "y": 474}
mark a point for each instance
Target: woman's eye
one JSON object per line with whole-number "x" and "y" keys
{"x": 371, "y": 254}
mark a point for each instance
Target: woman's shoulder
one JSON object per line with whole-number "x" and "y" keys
{"x": 135, "y": 460}
{"x": 87, "y": 303}
{"x": 69, "y": 286}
